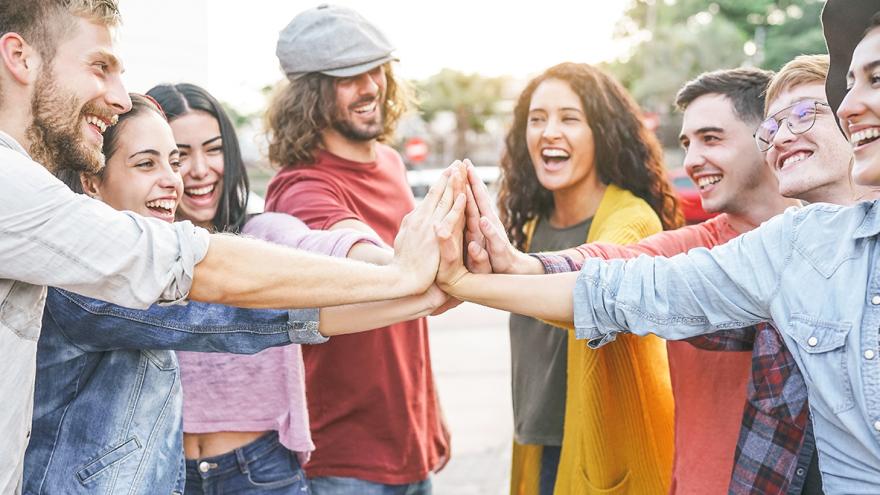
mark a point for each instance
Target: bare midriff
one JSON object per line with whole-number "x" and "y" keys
{"x": 202, "y": 445}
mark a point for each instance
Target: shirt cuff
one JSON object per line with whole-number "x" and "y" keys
{"x": 585, "y": 324}
{"x": 193, "y": 245}
{"x": 555, "y": 263}
{"x": 304, "y": 326}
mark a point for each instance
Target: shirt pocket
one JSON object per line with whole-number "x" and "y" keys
{"x": 822, "y": 347}
{"x": 21, "y": 310}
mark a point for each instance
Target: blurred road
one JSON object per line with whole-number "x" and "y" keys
{"x": 470, "y": 349}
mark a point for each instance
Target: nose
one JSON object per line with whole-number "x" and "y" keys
{"x": 783, "y": 136}
{"x": 852, "y": 106}
{"x": 117, "y": 97}
{"x": 693, "y": 160}
{"x": 551, "y": 129}
{"x": 197, "y": 167}
{"x": 170, "y": 178}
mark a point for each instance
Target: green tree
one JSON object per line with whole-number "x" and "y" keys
{"x": 471, "y": 98}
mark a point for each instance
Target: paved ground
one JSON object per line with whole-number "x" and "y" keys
{"x": 471, "y": 357}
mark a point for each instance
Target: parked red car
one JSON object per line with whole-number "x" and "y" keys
{"x": 689, "y": 197}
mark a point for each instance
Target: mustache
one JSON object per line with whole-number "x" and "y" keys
{"x": 101, "y": 112}
{"x": 362, "y": 101}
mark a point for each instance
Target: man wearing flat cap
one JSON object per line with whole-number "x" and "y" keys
{"x": 378, "y": 430}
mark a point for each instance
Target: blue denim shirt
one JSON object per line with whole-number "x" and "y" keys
{"x": 107, "y": 414}
{"x": 815, "y": 273}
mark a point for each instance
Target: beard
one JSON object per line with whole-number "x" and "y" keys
{"x": 343, "y": 124}
{"x": 55, "y": 135}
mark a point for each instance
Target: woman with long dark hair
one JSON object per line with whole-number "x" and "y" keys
{"x": 245, "y": 421}
{"x": 580, "y": 165}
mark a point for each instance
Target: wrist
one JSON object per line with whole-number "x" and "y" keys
{"x": 525, "y": 264}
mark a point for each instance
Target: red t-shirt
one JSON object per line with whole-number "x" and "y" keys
{"x": 371, "y": 397}
{"x": 709, "y": 387}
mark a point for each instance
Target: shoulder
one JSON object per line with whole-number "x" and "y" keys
{"x": 622, "y": 209}
{"x": 264, "y": 224}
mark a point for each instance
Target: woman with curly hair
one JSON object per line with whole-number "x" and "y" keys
{"x": 579, "y": 164}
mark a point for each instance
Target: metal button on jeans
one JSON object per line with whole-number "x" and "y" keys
{"x": 877, "y": 425}
{"x": 204, "y": 466}
{"x": 875, "y": 300}
{"x": 869, "y": 354}
{"x": 812, "y": 342}
{"x": 801, "y": 471}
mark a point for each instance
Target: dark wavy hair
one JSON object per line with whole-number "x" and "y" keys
{"x": 300, "y": 109}
{"x": 627, "y": 154}
{"x": 140, "y": 105}
{"x": 180, "y": 99}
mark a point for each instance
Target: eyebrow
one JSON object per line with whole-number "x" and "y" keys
{"x": 145, "y": 152}
{"x": 866, "y": 68}
{"x": 701, "y": 131}
{"x": 215, "y": 138}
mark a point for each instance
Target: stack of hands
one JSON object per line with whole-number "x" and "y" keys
{"x": 456, "y": 233}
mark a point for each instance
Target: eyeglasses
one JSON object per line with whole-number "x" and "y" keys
{"x": 799, "y": 117}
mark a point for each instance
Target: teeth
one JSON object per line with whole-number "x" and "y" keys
{"x": 795, "y": 158}
{"x": 99, "y": 123}
{"x": 366, "y": 108}
{"x": 165, "y": 204}
{"x": 199, "y": 191}
{"x": 708, "y": 180}
{"x": 554, "y": 153}
{"x": 863, "y": 136}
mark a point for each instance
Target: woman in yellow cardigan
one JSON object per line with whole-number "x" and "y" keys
{"x": 579, "y": 165}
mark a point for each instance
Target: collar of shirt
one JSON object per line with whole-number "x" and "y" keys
{"x": 8, "y": 141}
{"x": 870, "y": 225}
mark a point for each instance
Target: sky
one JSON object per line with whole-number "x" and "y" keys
{"x": 228, "y": 47}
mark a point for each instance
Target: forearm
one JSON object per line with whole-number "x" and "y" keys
{"x": 546, "y": 297}
{"x": 255, "y": 274}
{"x": 353, "y": 318}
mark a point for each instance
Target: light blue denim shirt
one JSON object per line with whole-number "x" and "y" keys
{"x": 815, "y": 273}
{"x": 51, "y": 236}
{"x": 107, "y": 416}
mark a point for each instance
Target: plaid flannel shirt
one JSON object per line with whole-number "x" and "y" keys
{"x": 775, "y": 442}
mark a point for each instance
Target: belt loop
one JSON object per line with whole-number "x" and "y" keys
{"x": 242, "y": 462}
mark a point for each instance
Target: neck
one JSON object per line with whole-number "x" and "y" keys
{"x": 760, "y": 211}
{"x": 843, "y": 192}
{"x": 341, "y": 146}
{"x": 573, "y": 205}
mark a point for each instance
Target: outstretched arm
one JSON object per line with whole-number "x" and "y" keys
{"x": 249, "y": 273}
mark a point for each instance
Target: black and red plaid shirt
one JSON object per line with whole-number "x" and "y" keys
{"x": 772, "y": 456}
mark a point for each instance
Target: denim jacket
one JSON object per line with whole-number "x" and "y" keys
{"x": 107, "y": 415}
{"x": 51, "y": 236}
{"x": 814, "y": 272}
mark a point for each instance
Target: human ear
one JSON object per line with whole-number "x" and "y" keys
{"x": 19, "y": 58}
{"x": 91, "y": 185}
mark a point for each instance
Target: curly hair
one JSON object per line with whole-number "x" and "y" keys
{"x": 301, "y": 109}
{"x": 626, "y": 153}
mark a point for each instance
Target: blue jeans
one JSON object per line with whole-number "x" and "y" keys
{"x": 263, "y": 466}
{"x": 337, "y": 485}
{"x": 549, "y": 465}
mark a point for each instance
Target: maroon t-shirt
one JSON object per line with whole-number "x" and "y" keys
{"x": 371, "y": 397}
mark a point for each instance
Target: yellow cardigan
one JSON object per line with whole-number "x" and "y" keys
{"x": 618, "y": 433}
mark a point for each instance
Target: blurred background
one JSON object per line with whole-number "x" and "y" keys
{"x": 468, "y": 61}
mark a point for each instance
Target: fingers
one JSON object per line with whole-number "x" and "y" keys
{"x": 435, "y": 193}
{"x": 472, "y": 219}
{"x": 496, "y": 241}
{"x": 481, "y": 194}
{"x": 452, "y": 220}
{"x": 478, "y": 259}
{"x": 445, "y": 203}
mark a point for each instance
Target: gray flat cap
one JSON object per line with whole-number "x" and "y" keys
{"x": 332, "y": 40}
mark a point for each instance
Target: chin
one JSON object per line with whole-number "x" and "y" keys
{"x": 867, "y": 174}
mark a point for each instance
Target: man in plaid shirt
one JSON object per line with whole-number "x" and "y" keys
{"x": 775, "y": 451}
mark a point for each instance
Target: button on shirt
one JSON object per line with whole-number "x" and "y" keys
{"x": 814, "y": 273}
{"x": 51, "y": 236}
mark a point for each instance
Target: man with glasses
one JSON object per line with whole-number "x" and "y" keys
{"x": 805, "y": 150}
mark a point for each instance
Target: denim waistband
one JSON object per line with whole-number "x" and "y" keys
{"x": 236, "y": 460}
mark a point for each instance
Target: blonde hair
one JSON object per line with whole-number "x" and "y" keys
{"x": 300, "y": 109}
{"x": 804, "y": 69}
